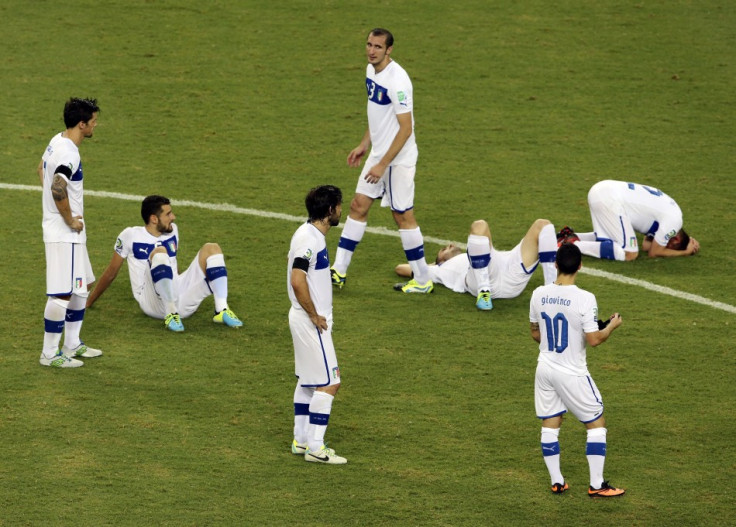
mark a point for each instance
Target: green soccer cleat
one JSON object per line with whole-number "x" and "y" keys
{"x": 173, "y": 323}
{"x": 484, "y": 302}
{"x": 298, "y": 448}
{"x": 412, "y": 286}
{"x": 227, "y": 317}
{"x": 338, "y": 280}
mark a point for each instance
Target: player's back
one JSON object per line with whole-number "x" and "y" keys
{"x": 564, "y": 314}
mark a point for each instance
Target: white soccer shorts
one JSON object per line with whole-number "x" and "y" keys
{"x": 556, "y": 392}
{"x": 396, "y": 187}
{"x": 315, "y": 362}
{"x": 610, "y": 219}
{"x": 68, "y": 269}
{"x": 190, "y": 289}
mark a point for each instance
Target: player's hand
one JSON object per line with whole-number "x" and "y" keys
{"x": 77, "y": 224}
{"x": 615, "y": 321}
{"x": 320, "y": 322}
{"x": 355, "y": 156}
{"x": 693, "y": 246}
{"x": 375, "y": 174}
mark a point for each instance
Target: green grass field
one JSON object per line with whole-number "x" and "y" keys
{"x": 519, "y": 108}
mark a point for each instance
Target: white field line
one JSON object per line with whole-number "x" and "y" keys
{"x": 226, "y": 207}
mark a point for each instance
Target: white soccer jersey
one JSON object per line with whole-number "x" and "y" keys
{"x": 649, "y": 210}
{"x": 389, "y": 93}
{"x": 135, "y": 245}
{"x": 62, "y": 151}
{"x": 308, "y": 242}
{"x": 564, "y": 314}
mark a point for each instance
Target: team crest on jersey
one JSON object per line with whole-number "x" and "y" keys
{"x": 78, "y": 283}
{"x": 171, "y": 246}
{"x": 336, "y": 373}
{"x": 632, "y": 241}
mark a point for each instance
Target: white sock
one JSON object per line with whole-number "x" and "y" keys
{"x": 595, "y": 451}
{"x": 302, "y": 398}
{"x": 73, "y": 321}
{"x": 479, "y": 254}
{"x": 53, "y": 318}
{"x": 352, "y": 234}
{"x": 547, "y": 247}
{"x": 216, "y": 274}
{"x": 586, "y": 236}
{"x": 602, "y": 249}
{"x": 319, "y": 416}
{"x": 163, "y": 280}
{"x": 413, "y": 244}
{"x": 551, "y": 454}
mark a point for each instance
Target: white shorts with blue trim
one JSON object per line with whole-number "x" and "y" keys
{"x": 315, "y": 362}
{"x": 610, "y": 220}
{"x": 396, "y": 186}
{"x": 68, "y": 269}
{"x": 556, "y": 392}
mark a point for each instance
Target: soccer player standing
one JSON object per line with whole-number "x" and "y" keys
{"x": 310, "y": 320}
{"x": 68, "y": 269}
{"x": 563, "y": 319}
{"x": 389, "y": 170}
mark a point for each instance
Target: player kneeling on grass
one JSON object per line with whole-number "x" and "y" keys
{"x": 563, "y": 319}
{"x": 158, "y": 287}
{"x": 309, "y": 286}
{"x": 485, "y": 272}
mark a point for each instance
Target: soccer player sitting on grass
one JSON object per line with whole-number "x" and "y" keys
{"x": 158, "y": 287}
{"x": 487, "y": 273}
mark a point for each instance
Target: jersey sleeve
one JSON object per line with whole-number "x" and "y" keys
{"x": 123, "y": 244}
{"x": 668, "y": 228}
{"x": 590, "y": 314}
{"x": 402, "y": 94}
{"x": 533, "y": 315}
{"x": 304, "y": 248}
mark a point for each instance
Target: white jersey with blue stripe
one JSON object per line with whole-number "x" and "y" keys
{"x": 390, "y": 93}
{"x": 564, "y": 314}
{"x": 649, "y": 210}
{"x": 308, "y": 243}
{"x": 135, "y": 244}
{"x": 62, "y": 152}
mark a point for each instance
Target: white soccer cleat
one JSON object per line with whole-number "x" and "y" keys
{"x": 60, "y": 361}
{"x": 324, "y": 455}
{"x": 82, "y": 351}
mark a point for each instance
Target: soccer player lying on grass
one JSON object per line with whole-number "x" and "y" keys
{"x": 487, "y": 273}
{"x": 158, "y": 287}
{"x": 619, "y": 210}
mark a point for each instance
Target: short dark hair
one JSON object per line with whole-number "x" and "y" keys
{"x": 679, "y": 241}
{"x": 568, "y": 258}
{"x": 321, "y": 200}
{"x": 153, "y": 205}
{"x": 379, "y": 32}
{"x": 78, "y": 110}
